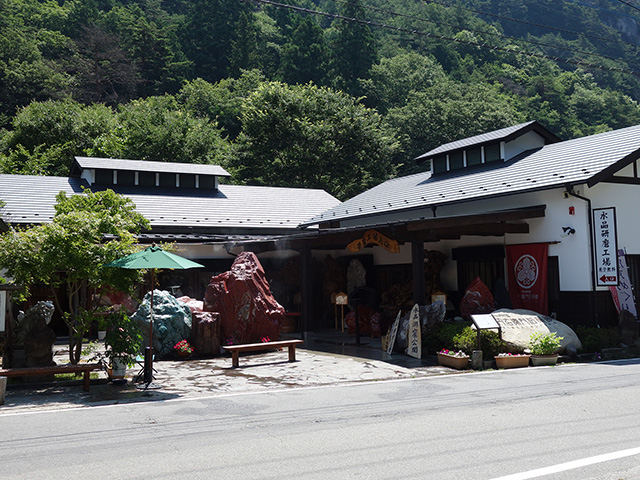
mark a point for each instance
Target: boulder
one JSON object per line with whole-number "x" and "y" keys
{"x": 39, "y": 339}
{"x": 205, "y": 333}
{"x": 248, "y": 311}
{"x": 193, "y": 304}
{"x": 171, "y": 321}
{"x": 518, "y": 325}
{"x": 477, "y": 299}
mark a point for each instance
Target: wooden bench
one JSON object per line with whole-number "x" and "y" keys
{"x": 85, "y": 368}
{"x": 248, "y": 347}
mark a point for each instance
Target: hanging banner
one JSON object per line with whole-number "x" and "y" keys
{"x": 373, "y": 236}
{"x": 606, "y": 246}
{"x": 527, "y": 271}
{"x": 623, "y": 293}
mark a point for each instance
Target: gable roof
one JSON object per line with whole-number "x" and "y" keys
{"x": 502, "y": 135}
{"x": 233, "y": 208}
{"x": 82, "y": 163}
{"x": 571, "y": 162}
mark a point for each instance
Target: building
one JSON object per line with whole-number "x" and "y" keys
{"x": 186, "y": 204}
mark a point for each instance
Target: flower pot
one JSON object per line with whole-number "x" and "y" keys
{"x": 512, "y": 361}
{"x": 102, "y": 334}
{"x": 453, "y": 361}
{"x": 118, "y": 368}
{"x": 540, "y": 360}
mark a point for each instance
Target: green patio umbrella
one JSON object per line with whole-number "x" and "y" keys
{"x": 153, "y": 258}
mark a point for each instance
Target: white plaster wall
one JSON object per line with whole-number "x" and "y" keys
{"x": 529, "y": 141}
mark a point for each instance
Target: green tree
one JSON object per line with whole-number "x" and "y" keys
{"x": 354, "y": 49}
{"x": 312, "y": 137}
{"x": 68, "y": 255}
{"x": 305, "y": 57}
{"x": 157, "y": 129}
{"x": 47, "y": 135}
{"x": 446, "y": 112}
{"x": 220, "y": 102}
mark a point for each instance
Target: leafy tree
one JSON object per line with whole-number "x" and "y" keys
{"x": 47, "y": 135}
{"x": 393, "y": 80}
{"x": 305, "y": 57}
{"x": 211, "y": 37}
{"x": 222, "y": 102}
{"x": 446, "y": 112}
{"x": 354, "y": 49}
{"x": 313, "y": 137}
{"x": 69, "y": 254}
{"x": 157, "y": 129}
{"x": 104, "y": 72}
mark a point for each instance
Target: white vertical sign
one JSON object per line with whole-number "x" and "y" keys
{"x": 606, "y": 246}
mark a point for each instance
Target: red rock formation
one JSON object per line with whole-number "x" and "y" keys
{"x": 248, "y": 310}
{"x": 477, "y": 299}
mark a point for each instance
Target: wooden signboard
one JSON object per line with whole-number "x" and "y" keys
{"x": 414, "y": 338}
{"x": 373, "y": 236}
{"x": 393, "y": 334}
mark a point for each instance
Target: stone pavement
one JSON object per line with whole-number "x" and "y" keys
{"x": 214, "y": 377}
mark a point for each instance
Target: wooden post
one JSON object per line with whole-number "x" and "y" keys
{"x": 417, "y": 270}
{"x": 306, "y": 285}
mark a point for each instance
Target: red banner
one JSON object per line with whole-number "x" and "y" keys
{"x": 527, "y": 268}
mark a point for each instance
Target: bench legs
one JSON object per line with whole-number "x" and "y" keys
{"x": 235, "y": 362}
{"x": 86, "y": 380}
{"x": 292, "y": 353}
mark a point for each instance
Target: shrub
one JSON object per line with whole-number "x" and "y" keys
{"x": 490, "y": 342}
{"x": 544, "y": 343}
{"x": 596, "y": 339}
{"x": 441, "y": 335}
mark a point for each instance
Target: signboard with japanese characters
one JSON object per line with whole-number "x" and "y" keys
{"x": 606, "y": 246}
{"x": 414, "y": 338}
{"x": 623, "y": 293}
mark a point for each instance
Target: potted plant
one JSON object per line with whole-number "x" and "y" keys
{"x": 123, "y": 342}
{"x": 544, "y": 348}
{"x": 183, "y": 349}
{"x": 512, "y": 360}
{"x": 453, "y": 358}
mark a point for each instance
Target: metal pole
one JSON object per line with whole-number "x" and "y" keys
{"x": 148, "y": 359}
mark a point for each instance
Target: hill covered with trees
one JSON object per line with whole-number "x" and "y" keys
{"x": 326, "y": 94}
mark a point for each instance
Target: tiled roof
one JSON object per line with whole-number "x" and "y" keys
{"x": 30, "y": 199}
{"x": 570, "y": 162}
{"x": 148, "y": 166}
{"x": 504, "y": 134}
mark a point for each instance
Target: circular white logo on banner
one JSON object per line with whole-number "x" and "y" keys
{"x": 526, "y": 270}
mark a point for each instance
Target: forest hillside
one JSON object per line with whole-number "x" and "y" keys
{"x": 332, "y": 94}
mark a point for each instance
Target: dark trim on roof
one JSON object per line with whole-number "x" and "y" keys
{"x": 533, "y": 126}
{"x": 83, "y": 163}
{"x": 607, "y": 173}
{"x": 3, "y": 226}
{"x": 496, "y": 223}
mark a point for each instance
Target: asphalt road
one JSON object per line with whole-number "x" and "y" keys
{"x": 566, "y": 422}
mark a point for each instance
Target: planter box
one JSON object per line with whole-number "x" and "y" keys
{"x": 540, "y": 360}
{"x": 453, "y": 362}
{"x": 512, "y": 361}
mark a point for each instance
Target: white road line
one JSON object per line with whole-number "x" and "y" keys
{"x": 562, "y": 467}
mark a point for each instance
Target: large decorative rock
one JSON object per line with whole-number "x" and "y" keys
{"x": 205, "y": 333}
{"x": 171, "y": 321}
{"x": 368, "y": 321}
{"x": 193, "y": 304}
{"x": 518, "y": 325}
{"x": 248, "y": 311}
{"x": 39, "y": 338}
{"x": 477, "y": 299}
{"x": 430, "y": 315}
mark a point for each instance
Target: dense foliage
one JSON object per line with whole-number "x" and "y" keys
{"x": 187, "y": 80}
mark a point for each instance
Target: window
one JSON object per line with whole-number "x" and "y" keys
{"x": 474, "y": 157}
{"x": 492, "y": 153}
{"x": 456, "y": 161}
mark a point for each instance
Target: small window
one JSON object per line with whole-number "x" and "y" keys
{"x": 104, "y": 177}
{"x": 456, "y": 161}
{"x": 167, "y": 179}
{"x": 440, "y": 164}
{"x": 187, "y": 180}
{"x": 207, "y": 182}
{"x": 147, "y": 179}
{"x": 126, "y": 177}
{"x": 492, "y": 153}
{"x": 474, "y": 157}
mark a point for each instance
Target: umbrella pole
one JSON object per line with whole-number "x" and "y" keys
{"x": 148, "y": 364}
